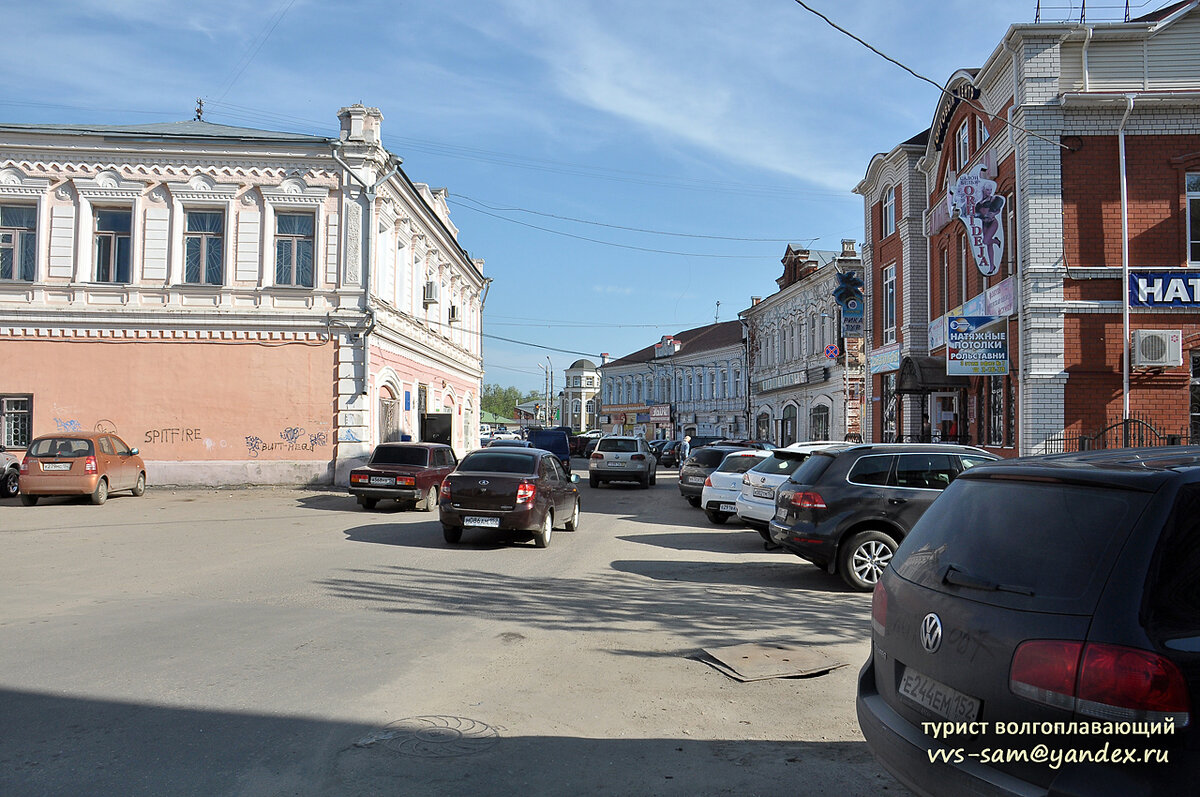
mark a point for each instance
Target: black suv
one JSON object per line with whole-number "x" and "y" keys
{"x": 847, "y": 508}
{"x": 696, "y": 468}
{"x": 1056, "y": 599}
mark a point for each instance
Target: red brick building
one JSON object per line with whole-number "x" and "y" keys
{"x": 1052, "y": 288}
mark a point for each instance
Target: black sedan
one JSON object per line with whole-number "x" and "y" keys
{"x": 509, "y": 489}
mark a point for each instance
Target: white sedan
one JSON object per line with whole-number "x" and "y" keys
{"x": 755, "y": 504}
{"x": 724, "y": 484}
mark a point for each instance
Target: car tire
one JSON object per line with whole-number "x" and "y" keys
{"x": 541, "y": 537}
{"x": 694, "y": 500}
{"x": 593, "y": 481}
{"x": 9, "y": 485}
{"x": 431, "y": 499}
{"x": 367, "y": 503}
{"x": 573, "y": 523}
{"x": 653, "y": 478}
{"x": 644, "y": 481}
{"x": 452, "y": 534}
{"x": 28, "y": 500}
{"x": 100, "y": 494}
{"x": 718, "y": 518}
{"x": 863, "y": 558}
{"x": 139, "y": 489}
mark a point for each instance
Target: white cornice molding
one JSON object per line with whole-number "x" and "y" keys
{"x": 202, "y": 188}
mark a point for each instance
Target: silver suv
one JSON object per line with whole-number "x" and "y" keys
{"x": 622, "y": 458}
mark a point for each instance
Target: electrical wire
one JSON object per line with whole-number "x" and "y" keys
{"x": 618, "y": 226}
{"x": 611, "y": 243}
{"x": 247, "y": 59}
{"x": 919, "y": 76}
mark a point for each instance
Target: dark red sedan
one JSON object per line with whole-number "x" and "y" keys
{"x": 511, "y": 489}
{"x": 410, "y": 473}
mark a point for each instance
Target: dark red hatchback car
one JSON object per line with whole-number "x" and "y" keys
{"x": 410, "y": 473}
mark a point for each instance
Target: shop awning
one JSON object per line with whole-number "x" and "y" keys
{"x": 921, "y": 373}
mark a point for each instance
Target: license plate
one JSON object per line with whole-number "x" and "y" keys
{"x": 695, "y": 480}
{"x": 487, "y": 522}
{"x": 764, "y": 492}
{"x": 728, "y": 507}
{"x": 382, "y": 480}
{"x": 780, "y": 514}
{"x": 56, "y": 466}
{"x": 937, "y": 697}
{"x": 614, "y": 464}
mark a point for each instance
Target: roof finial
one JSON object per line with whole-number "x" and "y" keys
{"x": 199, "y": 109}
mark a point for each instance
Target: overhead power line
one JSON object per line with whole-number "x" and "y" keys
{"x": 618, "y": 226}
{"x": 919, "y": 76}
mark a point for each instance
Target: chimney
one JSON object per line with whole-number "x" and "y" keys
{"x": 604, "y": 358}
{"x": 754, "y": 300}
{"x": 360, "y": 124}
{"x": 848, "y": 248}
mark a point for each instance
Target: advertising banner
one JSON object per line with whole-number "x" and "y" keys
{"x": 660, "y": 413}
{"x": 977, "y": 345}
{"x": 849, "y": 295}
{"x": 886, "y": 359}
{"x": 981, "y": 210}
{"x": 1179, "y": 288}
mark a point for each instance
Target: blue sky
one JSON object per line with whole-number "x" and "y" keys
{"x": 731, "y": 119}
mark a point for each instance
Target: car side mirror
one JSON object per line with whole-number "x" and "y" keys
{"x": 133, "y": 452}
{"x": 574, "y": 478}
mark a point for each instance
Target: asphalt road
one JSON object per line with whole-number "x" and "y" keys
{"x": 283, "y": 642}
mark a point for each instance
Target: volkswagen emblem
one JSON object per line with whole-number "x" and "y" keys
{"x": 484, "y": 481}
{"x": 931, "y": 633}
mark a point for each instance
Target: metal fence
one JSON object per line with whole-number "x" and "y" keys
{"x": 1136, "y": 432}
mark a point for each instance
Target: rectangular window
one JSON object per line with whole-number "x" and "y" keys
{"x": 945, "y": 281}
{"x": 294, "y": 249}
{"x": 1193, "y": 204}
{"x": 889, "y": 211}
{"x": 889, "y": 305}
{"x": 15, "y": 421}
{"x": 113, "y": 244}
{"x": 962, "y": 146}
{"x": 981, "y": 132}
{"x": 888, "y": 399}
{"x": 18, "y": 242}
{"x": 203, "y": 248}
{"x": 996, "y": 411}
{"x": 1010, "y": 412}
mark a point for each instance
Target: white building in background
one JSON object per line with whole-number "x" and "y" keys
{"x": 691, "y": 383}
{"x": 798, "y": 391}
{"x": 578, "y": 401}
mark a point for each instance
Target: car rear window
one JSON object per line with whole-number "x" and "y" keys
{"x": 781, "y": 464}
{"x": 62, "y": 447}
{"x": 707, "y": 457}
{"x": 618, "y": 446}
{"x": 811, "y": 469}
{"x": 498, "y": 462}
{"x": 738, "y": 463}
{"x": 399, "y": 455}
{"x": 1023, "y": 544}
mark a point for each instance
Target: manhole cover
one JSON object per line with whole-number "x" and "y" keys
{"x": 433, "y": 737}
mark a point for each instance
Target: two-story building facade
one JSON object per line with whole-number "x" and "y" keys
{"x": 692, "y": 383}
{"x": 806, "y": 380}
{"x": 244, "y": 306}
{"x": 578, "y": 402}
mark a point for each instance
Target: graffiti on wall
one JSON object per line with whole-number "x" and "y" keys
{"x": 292, "y": 439}
{"x": 173, "y": 435}
{"x": 68, "y": 425}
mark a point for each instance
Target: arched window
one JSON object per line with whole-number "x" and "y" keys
{"x": 818, "y": 423}
{"x": 763, "y": 426}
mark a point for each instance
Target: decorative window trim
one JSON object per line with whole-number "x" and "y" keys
{"x": 888, "y": 214}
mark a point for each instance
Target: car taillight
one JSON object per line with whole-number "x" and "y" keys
{"x": 25, "y": 465}
{"x": 406, "y": 481}
{"x": 879, "y": 608}
{"x": 638, "y": 457}
{"x": 807, "y": 499}
{"x": 597, "y": 455}
{"x": 1110, "y": 682}
{"x": 358, "y": 478}
{"x": 446, "y": 490}
{"x": 526, "y": 493}
{"x": 708, "y": 481}
{"x": 746, "y": 479}
{"x": 89, "y": 465}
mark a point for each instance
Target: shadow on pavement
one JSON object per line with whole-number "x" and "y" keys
{"x": 52, "y": 744}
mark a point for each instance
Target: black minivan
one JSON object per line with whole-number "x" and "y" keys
{"x": 1038, "y": 631}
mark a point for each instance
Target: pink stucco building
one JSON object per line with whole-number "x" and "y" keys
{"x": 241, "y": 305}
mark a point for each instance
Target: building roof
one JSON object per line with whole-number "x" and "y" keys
{"x": 1162, "y": 13}
{"x": 586, "y": 365}
{"x": 692, "y": 341}
{"x": 191, "y": 129}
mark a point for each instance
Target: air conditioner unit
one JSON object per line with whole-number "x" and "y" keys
{"x": 431, "y": 292}
{"x": 1157, "y": 348}
{"x": 454, "y": 314}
